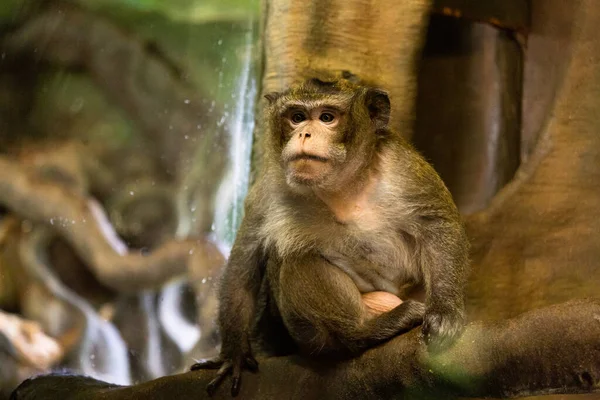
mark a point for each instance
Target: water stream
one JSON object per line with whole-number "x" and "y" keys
{"x": 233, "y": 189}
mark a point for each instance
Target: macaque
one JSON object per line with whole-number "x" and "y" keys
{"x": 344, "y": 207}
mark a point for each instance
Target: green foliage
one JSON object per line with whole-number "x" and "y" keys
{"x": 8, "y": 9}
{"x": 207, "y": 47}
{"x": 71, "y": 101}
{"x": 187, "y": 10}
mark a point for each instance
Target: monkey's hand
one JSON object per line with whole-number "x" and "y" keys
{"x": 442, "y": 327}
{"x": 229, "y": 363}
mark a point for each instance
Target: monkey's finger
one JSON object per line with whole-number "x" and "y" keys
{"x": 221, "y": 374}
{"x": 215, "y": 363}
{"x": 236, "y": 378}
{"x": 251, "y": 363}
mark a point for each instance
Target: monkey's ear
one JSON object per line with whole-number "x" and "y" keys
{"x": 271, "y": 97}
{"x": 378, "y": 104}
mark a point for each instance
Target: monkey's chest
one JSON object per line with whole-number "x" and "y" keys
{"x": 380, "y": 260}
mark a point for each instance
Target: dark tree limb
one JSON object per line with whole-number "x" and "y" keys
{"x": 545, "y": 351}
{"x": 82, "y": 223}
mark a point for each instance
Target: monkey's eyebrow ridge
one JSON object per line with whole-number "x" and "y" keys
{"x": 316, "y": 103}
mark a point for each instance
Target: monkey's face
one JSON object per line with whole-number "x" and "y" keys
{"x": 313, "y": 143}
{"x": 325, "y": 133}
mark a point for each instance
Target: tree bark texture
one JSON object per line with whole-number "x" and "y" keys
{"x": 375, "y": 42}
{"x": 537, "y": 244}
{"x": 468, "y": 122}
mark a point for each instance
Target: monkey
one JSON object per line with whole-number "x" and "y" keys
{"x": 344, "y": 206}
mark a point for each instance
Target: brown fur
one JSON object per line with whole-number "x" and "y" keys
{"x": 366, "y": 213}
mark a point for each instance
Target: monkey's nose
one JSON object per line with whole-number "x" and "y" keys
{"x": 303, "y": 136}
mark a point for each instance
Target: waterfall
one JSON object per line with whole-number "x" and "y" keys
{"x": 233, "y": 189}
{"x": 230, "y": 196}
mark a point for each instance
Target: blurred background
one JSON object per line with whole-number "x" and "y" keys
{"x": 125, "y": 140}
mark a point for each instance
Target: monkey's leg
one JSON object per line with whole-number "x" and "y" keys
{"x": 324, "y": 312}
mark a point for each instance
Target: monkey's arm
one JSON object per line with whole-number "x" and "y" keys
{"x": 443, "y": 251}
{"x": 238, "y": 297}
{"x": 325, "y": 312}
{"x": 552, "y": 350}
{"x": 444, "y": 260}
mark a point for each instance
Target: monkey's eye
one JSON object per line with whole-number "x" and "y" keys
{"x": 327, "y": 117}
{"x": 298, "y": 117}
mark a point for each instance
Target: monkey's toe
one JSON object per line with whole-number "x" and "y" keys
{"x": 225, "y": 370}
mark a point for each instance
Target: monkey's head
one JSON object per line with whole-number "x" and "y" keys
{"x": 325, "y": 133}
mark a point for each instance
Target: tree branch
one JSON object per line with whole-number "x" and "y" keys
{"x": 83, "y": 224}
{"x": 31, "y": 345}
{"x": 546, "y": 351}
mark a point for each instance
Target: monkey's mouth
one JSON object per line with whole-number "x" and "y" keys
{"x": 307, "y": 169}
{"x": 305, "y": 156}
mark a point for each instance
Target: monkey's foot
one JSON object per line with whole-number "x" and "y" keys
{"x": 225, "y": 367}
